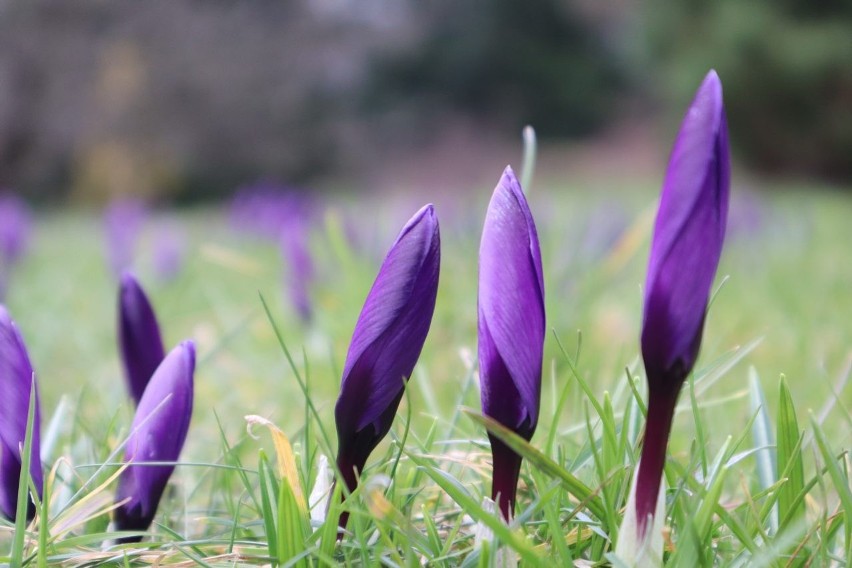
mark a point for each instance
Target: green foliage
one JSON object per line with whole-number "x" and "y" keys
{"x": 786, "y": 71}
{"x": 728, "y": 503}
{"x": 505, "y": 61}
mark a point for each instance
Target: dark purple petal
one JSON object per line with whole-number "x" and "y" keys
{"x": 688, "y": 237}
{"x": 511, "y": 326}
{"x": 138, "y": 336}
{"x": 157, "y": 435}
{"x": 10, "y": 472}
{"x": 262, "y": 208}
{"x": 511, "y": 308}
{"x": 388, "y": 338}
{"x": 16, "y": 382}
{"x": 685, "y": 251}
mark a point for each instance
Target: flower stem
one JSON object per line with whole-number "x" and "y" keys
{"x": 506, "y": 470}
{"x": 661, "y": 406}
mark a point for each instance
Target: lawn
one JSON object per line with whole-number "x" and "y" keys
{"x": 782, "y": 308}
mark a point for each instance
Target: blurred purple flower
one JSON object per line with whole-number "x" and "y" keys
{"x": 263, "y": 208}
{"x": 511, "y": 328}
{"x": 123, "y": 221}
{"x": 15, "y": 224}
{"x": 169, "y": 251}
{"x": 300, "y": 265}
{"x": 748, "y": 214}
{"x": 157, "y": 435}
{"x": 138, "y": 336}
{"x": 387, "y": 342}
{"x": 16, "y": 382}
{"x": 688, "y": 237}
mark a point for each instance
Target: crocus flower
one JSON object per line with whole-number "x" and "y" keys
{"x": 386, "y": 343}
{"x": 157, "y": 435}
{"x": 14, "y": 235}
{"x": 685, "y": 250}
{"x": 16, "y": 382}
{"x": 123, "y": 220}
{"x": 138, "y": 336}
{"x": 511, "y": 328}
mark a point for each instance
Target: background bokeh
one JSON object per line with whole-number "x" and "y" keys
{"x": 185, "y": 101}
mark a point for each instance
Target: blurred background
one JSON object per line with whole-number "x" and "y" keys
{"x": 181, "y": 102}
{"x": 222, "y": 148}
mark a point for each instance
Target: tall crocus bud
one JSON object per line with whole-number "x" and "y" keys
{"x": 387, "y": 342}
{"x": 138, "y": 336}
{"x": 157, "y": 435}
{"x": 511, "y": 328}
{"x": 685, "y": 250}
{"x": 16, "y": 383}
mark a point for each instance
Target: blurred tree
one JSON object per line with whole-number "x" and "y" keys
{"x": 787, "y": 70}
{"x": 182, "y": 99}
{"x": 520, "y": 63}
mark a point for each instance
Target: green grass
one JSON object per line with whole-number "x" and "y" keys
{"x": 758, "y": 473}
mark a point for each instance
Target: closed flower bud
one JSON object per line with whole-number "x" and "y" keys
{"x": 386, "y": 343}
{"x": 138, "y": 336}
{"x": 511, "y": 328}
{"x": 688, "y": 237}
{"x": 16, "y": 383}
{"x": 157, "y": 435}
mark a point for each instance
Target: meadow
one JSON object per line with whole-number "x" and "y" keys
{"x": 771, "y": 381}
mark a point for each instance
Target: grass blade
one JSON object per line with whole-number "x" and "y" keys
{"x": 789, "y": 457}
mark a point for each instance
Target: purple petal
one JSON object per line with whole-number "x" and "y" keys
{"x": 389, "y": 336}
{"x": 10, "y": 472}
{"x": 511, "y": 309}
{"x": 139, "y": 336}
{"x": 685, "y": 251}
{"x": 157, "y": 435}
{"x": 688, "y": 237}
{"x": 16, "y": 381}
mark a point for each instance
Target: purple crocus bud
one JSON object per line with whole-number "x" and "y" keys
{"x": 157, "y": 435}
{"x": 138, "y": 336}
{"x": 387, "y": 342}
{"x": 511, "y": 328}
{"x": 685, "y": 250}
{"x": 123, "y": 220}
{"x": 16, "y": 382}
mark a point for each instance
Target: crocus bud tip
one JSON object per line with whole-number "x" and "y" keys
{"x": 189, "y": 346}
